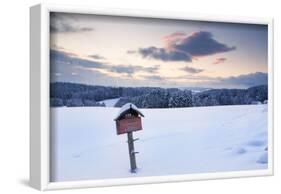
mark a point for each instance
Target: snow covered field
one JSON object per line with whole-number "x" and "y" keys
{"x": 174, "y": 141}
{"x": 110, "y": 102}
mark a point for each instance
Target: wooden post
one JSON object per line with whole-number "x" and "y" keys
{"x": 132, "y": 152}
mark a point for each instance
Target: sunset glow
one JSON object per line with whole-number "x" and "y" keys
{"x": 124, "y": 51}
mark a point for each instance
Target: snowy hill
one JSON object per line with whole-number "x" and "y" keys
{"x": 174, "y": 141}
{"x": 110, "y": 102}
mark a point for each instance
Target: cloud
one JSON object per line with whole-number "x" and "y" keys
{"x": 200, "y": 44}
{"x": 64, "y": 23}
{"x": 191, "y": 70}
{"x": 62, "y": 61}
{"x": 95, "y": 56}
{"x": 172, "y": 39}
{"x": 246, "y": 80}
{"x": 162, "y": 54}
{"x": 129, "y": 69}
{"x": 194, "y": 77}
{"x": 219, "y": 60}
{"x": 154, "y": 77}
{"x": 66, "y": 66}
{"x": 181, "y": 47}
{"x": 240, "y": 81}
{"x": 62, "y": 58}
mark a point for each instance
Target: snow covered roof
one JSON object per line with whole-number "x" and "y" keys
{"x": 127, "y": 107}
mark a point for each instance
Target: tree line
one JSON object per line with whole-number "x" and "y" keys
{"x": 77, "y": 95}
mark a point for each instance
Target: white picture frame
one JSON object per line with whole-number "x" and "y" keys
{"x": 39, "y": 97}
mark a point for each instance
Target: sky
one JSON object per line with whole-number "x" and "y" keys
{"x": 134, "y": 52}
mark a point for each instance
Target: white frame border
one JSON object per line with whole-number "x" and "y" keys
{"x": 39, "y": 100}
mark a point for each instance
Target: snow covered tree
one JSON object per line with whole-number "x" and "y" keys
{"x": 70, "y": 94}
{"x": 74, "y": 102}
{"x": 180, "y": 99}
{"x": 56, "y": 102}
{"x": 87, "y": 102}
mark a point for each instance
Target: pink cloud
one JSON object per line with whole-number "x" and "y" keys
{"x": 173, "y": 39}
{"x": 180, "y": 46}
{"x": 219, "y": 60}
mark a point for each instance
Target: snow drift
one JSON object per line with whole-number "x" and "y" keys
{"x": 84, "y": 144}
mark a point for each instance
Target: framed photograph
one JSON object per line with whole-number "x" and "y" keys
{"x": 132, "y": 97}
